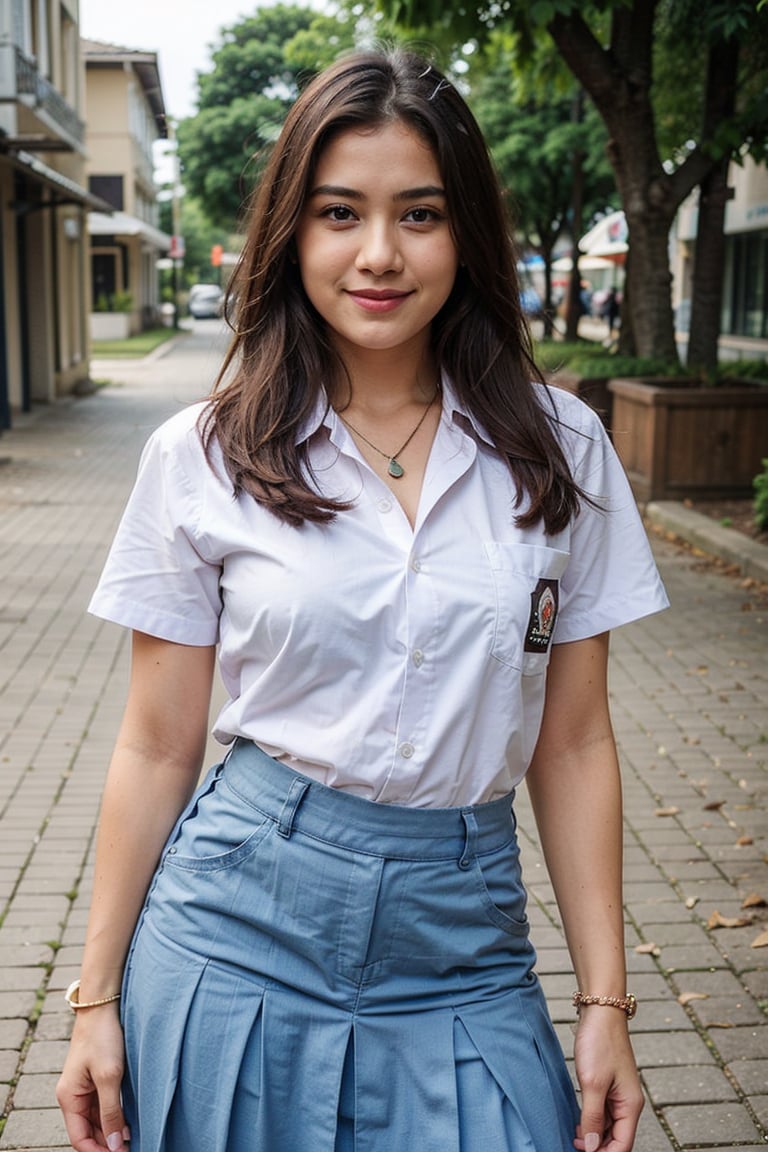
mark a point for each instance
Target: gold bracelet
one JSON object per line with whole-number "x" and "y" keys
{"x": 72, "y": 998}
{"x": 627, "y": 1004}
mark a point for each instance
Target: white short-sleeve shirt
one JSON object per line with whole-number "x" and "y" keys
{"x": 406, "y": 665}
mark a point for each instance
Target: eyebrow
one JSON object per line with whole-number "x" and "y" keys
{"x": 421, "y": 193}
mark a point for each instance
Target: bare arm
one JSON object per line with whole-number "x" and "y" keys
{"x": 152, "y": 774}
{"x": 575, "y": 790}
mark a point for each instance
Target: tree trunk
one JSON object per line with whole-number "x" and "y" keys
{"x": 573, "y": 311}
{"x": 648, "y": 283}
{"x": 619, "y": 82}
{"x": 709, "y": 254}
{"x": 708, "y": 267}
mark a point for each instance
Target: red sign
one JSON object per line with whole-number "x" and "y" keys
{"x": 176, "y": 250}
{"x": 217, "y": 251}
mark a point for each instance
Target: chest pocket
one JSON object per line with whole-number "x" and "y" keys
{"x": 526, "y": 579}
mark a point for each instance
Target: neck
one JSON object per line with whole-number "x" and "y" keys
{"x": 385, "y": 383}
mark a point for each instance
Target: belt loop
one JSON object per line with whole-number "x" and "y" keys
{"x": 470, "y": 838}
{"x": 290, "y": 807}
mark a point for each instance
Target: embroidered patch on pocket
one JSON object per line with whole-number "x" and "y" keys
{"x": 541, "y": 621}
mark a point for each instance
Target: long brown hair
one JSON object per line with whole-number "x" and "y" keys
{"x": 281, "y": 356}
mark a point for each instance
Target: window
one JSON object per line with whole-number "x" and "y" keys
{"x": 109, "y": 188}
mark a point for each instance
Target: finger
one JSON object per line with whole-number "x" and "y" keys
{"x": 113, "y": 1125}
{"x": 592, "y": 1123}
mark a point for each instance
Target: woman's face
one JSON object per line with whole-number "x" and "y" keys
{"x": 375, "y": 248}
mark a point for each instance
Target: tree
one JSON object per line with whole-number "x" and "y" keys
{"x": 727, "y": 90}
{"x": 242, "y": 102}
{"x": 609, "y": 47}
{"x": 549, "y": 151}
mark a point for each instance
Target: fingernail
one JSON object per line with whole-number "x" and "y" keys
{"x": 126, "y": 1133}
{"x": 591, "y": 1142}
{"x": 114, "y": 1141}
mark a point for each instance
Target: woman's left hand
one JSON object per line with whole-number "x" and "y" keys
{"x": 611, "y": 1095}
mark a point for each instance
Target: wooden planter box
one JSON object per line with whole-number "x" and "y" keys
{"x": 679, "y": 439}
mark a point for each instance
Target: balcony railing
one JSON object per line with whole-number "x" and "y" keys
{"x": 29, "y": 82}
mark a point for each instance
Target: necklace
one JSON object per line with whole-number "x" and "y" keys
{"x": 394, "y": 467}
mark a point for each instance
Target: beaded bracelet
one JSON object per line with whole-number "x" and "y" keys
{"x": 627, "y": 1004}
{"x": 72, "y": 993}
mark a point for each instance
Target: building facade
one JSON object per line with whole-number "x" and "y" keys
{"x": 125, "y": 116}
{"x": 744, "y": 331}
{"x": 43, "y": 205}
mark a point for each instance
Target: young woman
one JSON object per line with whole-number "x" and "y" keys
{"x": 409, "y": 552}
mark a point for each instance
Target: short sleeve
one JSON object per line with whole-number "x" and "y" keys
{"x": 611, "y": 578}
{"x": 157, "y": 578}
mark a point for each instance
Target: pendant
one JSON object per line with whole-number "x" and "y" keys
{"x": 395, "y": 470}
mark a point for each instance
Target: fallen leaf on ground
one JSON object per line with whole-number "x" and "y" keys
{"x": 754, "y": 900}
{"x": 649, "y": 949}
{"x": 760, "y": 941}
{"x": 719, "y": 1024}
{"x": 718, "y": 921}
{"x": 686, "y": 997}
{"x": 744, "y": 841}
{"x": 692, "y": 901}
{"x": 671, "y": 811}
{"x": 713, "y": 805}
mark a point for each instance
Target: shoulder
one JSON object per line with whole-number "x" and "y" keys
{"x": 179, "y": 442}
{"x": 577, "y": 426}
{"x": 182, "y": 430}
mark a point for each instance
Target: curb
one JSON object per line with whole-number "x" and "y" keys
{"x": 702, "y": 532}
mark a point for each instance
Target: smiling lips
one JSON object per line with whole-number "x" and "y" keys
{"x": 381, "y": 300}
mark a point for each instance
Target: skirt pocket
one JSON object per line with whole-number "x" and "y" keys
{"x": 219, "y": 831}
{"x": 498, "y": 880}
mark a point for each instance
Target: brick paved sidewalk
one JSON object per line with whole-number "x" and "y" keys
{"x": 689, "y": 698}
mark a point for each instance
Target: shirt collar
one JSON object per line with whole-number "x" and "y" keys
{"x": 453, "y": 406}
{"x": 323, "y": 414}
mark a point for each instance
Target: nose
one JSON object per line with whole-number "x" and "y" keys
{"x": 379, "y": 250}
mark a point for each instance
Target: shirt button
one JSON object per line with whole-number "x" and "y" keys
{"x": 417, "y": 657}
{"x": 407, "y": 750}
{"x": 416, "y": 564}
{"x": 384, "y": 505}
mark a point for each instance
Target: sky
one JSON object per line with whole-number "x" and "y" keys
{"x": 180, "y": 31}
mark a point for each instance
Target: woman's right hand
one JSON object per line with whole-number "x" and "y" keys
{"x": 88, "y": 1091}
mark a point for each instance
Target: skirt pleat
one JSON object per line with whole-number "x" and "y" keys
{"x": 331, "y": 975}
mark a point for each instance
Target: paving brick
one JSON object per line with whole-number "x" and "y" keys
{"x": 36, "y": 1091}
{"x": 661, "y": 1049}
{"x": 751, "y": 1075}
{"x": 692, "y": 1124}
{"x": 34, "y": 1128}
{"x": 699, "y": 1084}
{"x": 45, "y": 1056}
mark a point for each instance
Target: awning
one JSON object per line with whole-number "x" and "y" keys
{"x": 121, "y": 224}
{"x": 608, "y": 238}
{"x": 586, "y": 264}
{"x": 65, "y": 191}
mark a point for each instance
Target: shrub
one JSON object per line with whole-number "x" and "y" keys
{"x": 760, "y": 505}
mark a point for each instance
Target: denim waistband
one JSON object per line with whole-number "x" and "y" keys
{"x": 298, "y": 803}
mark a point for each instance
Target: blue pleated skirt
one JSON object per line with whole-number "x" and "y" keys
{"x": 314, "y": 972}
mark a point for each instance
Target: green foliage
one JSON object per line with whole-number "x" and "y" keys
{"x": 257, "y": 71}
{"x": 685, "y": 32}
{"x": 591, "y": 360}
{"x": 760, "y": 504}
{"x": 745, "y": 370}
{"x": 534, "y": 137}
{"x": 133, "y": 347}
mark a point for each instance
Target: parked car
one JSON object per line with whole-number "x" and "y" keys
{"x": 205, "y": 301}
